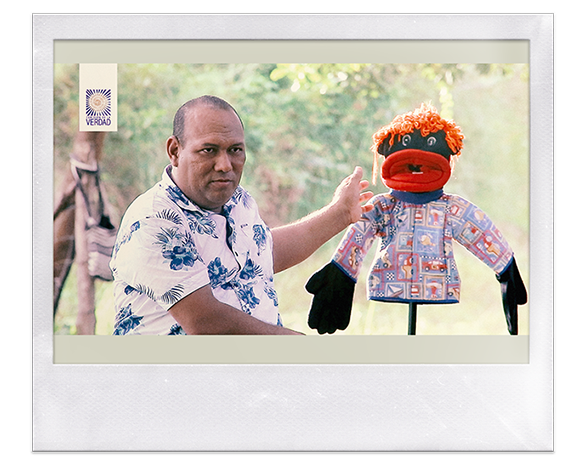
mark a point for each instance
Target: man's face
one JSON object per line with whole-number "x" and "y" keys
{"x": 208, "y": 162}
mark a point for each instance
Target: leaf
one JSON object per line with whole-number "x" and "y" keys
{"x": 278, "y": 73}
{"x": 173, "y": 295}
{"x": 170, "y": 215}
{"x": 143, "y": 289}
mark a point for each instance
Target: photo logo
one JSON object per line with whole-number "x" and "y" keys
{"x": 98, "y": 107}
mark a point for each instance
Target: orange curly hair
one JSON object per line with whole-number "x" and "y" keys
{"x": 427, "y": 120}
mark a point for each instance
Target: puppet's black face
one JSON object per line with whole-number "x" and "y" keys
{"x": 416, "y": 163}
{"x": 434, "y": 142}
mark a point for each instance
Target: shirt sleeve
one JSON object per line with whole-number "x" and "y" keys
{"x": 358, "y": 239}
{"x": 158, "y": 257}
{"x": 474, "y": 230}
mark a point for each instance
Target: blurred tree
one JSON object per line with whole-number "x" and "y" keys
{"x": 306, "y": 125}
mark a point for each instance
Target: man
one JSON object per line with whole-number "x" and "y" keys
{"x": 193, "y": 255}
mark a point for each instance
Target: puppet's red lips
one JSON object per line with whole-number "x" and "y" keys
{"x": 415, "y": 170}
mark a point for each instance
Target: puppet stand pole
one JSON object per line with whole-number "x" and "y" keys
{"x": 413, "y": 309}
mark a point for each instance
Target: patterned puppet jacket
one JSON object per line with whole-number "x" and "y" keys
{"x": 415, "y": 259}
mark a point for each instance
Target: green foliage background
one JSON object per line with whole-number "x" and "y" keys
{"x": 307, "y": 126}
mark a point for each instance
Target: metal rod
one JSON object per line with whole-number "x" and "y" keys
{"x": 413, "y": 310}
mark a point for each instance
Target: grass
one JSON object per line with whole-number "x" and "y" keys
{"x": 65, "y": 319}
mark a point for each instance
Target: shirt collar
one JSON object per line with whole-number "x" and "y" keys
{"x": 417, "y": 198}
{"x": 177, "y": 196}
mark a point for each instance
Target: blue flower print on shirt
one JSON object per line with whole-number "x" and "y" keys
{"x": 125, "y": 321}
{"x": 241, "y": 196}
{"x": 179, "y": 256}
{"x": 176, "y": 248}
{"x": 170, "y": 297}
{"x": 177, "y": 196}
{"x": 126, "y": 237}
{"x": 247, "y": 298}
{"x": 201, "y": 224}
{"x": 230, "y": 224}
{"x": 271, "y": 293}
{"x": 250, "y": 270}
{"x": 169, "y": 215}
{"x": 128, "y": 289}
{"x": 218, "y": 273}
{"x": 259, "y": 237}
{"x": 176, "y": 330}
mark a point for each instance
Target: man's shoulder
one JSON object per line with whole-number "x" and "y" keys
{"x": 150, "y": 203}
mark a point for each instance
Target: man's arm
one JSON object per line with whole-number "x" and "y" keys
{"x": 201, "y": 313}
{"x": 293, "y": 243}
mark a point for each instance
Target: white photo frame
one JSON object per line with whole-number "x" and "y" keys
{"x": 324, "y": 404}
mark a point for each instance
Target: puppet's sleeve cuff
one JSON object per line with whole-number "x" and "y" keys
{"x": 345, "y": 271}
{"x": 504, "y": 275}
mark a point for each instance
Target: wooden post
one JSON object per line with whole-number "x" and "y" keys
{"x": 86, "y": 321}
{"x": 87, "y": 149}
{"x": 413, "y": 310}
{"x": 63, "y": 237}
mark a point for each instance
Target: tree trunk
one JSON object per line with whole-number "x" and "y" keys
{"x": 70, "y": 229}
{"x": 85, "y": 283}
{"x": 64, "y": 236}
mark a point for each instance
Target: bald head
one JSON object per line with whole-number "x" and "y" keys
{"x": 205, "y": 100}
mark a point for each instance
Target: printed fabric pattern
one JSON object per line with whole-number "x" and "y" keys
{"x": 415, "y": 258}
{"x": 168, "y": 247}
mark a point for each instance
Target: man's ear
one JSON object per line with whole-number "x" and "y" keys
{"x": 172, "y": 148}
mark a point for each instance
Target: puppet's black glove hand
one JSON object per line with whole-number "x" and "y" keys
{"x": 331, "y": 307}
{"x": 514, "y": 294}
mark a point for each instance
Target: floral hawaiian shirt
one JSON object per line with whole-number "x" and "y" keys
{"x": 168, "y": 247}
{"x": 415, "y": 258}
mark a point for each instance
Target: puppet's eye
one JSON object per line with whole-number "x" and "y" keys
{"x": 405, "y": 140}
{"x": 431, "y": 141}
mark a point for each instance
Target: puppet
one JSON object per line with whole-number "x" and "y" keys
{"x": 416, "y": 223}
